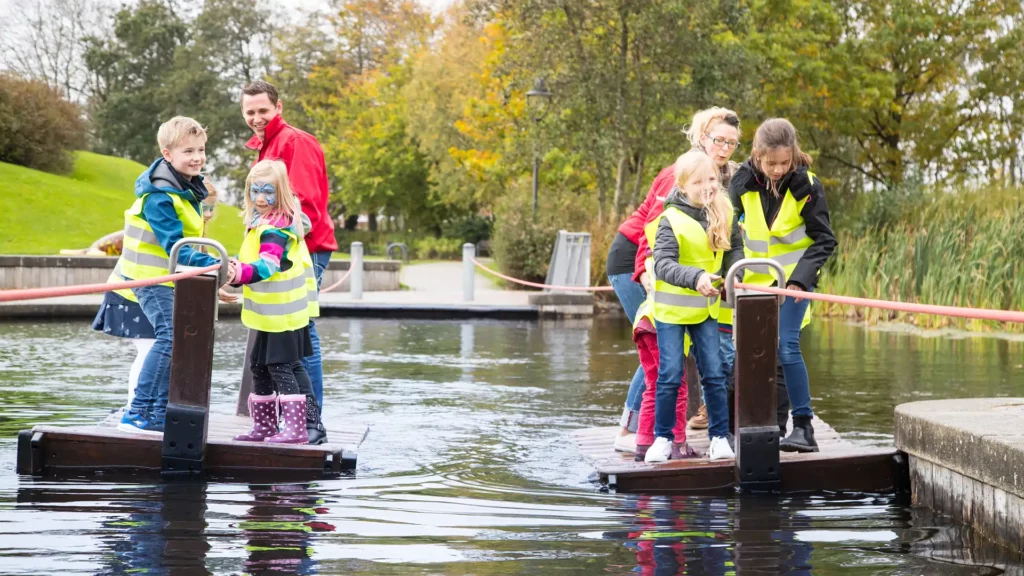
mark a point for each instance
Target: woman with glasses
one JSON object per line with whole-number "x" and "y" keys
{"x": 716, "y": 132}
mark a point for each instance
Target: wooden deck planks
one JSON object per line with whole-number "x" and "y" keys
{"x": 85, "y": 449}
{"x": 839, "y": 466}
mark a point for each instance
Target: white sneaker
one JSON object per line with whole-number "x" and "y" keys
{"x": 659, "y": 451}
{"x": 626, "y": 443}
{"x": 720, "y": 449}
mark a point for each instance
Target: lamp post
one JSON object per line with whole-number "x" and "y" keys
{"x": 537, "y": 100}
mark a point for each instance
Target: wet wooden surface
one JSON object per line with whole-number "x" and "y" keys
{"x": 85, "y": 450}
{"x": 839, "y": 466}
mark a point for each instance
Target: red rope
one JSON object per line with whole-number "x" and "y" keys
{"x": 338, "y": 283}
{"x": 57, "y": 291}
{"x": 954, "y": 311}
{"x": 536, "y": 285}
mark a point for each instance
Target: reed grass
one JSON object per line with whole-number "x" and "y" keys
{"x": 954, "y": 249}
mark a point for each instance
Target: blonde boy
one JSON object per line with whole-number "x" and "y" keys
{"x": 168, "y": 207}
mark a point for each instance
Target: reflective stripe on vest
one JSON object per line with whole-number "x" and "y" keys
{"x": 312, "y": 290}
{"x": 142, "y": 256}
{"x": 725, "y": 313}
{"x": 646, "y": 310}
{"x": 279, "y": 303}
{"x": 115, "y": 276}
{"x": 786, "y": 241}
{"x": 675, "y": 305}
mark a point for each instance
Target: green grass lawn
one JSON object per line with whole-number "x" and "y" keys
{"x": 45, "y": 213}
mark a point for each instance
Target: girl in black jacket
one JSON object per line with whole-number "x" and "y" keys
{"x": 777, "y": 183}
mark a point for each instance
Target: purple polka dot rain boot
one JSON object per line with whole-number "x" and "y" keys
{"x": 263, "y": 411}
{"x": 293, "y": 421}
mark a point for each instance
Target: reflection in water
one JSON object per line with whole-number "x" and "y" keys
{"x": 468, "y": 469}
{"x": 466, "y": 351}
{"x": 278, "y": 528}
{"x": 164, "y": 529}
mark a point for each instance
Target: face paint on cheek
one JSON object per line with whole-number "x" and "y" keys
{"x": 265, "y": 189}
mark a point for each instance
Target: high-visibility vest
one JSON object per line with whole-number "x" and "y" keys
{"x": 115, "y": 276}
{"x": 142, "y": 256}
{"x": 785, "y": 241}
{"x": 676, "y": 305}
{"x": 646, "y": 310}
{"x": 725, "y": 313}
{"x": 279, "y": 303}
{"x": 312, "y": 290}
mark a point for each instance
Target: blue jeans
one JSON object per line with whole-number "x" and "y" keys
{"x": 791, "y": 315}
{"x": 728, "y": 352}
{"x": 707, "y": 353}
{"x": 155, "y": 377}
{"x": 631, "y": 295}
{"x": 314, "y": 364}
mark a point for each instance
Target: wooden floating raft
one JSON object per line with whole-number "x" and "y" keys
{"x": 759, "y": 465}
{"x": 839, "y": 466}
{"x": 88, "y": 450}
{"x": 196, "y": 444}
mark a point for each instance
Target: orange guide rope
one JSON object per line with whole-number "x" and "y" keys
{"x": 338, "y": 283}
{"x": 536, "y": 285}
{"x": 54, "y": 292}
{"x": 954, "y": 311}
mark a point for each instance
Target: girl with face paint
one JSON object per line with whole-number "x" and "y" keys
{"x": 276, "y": 273}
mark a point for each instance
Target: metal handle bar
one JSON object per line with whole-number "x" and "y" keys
{"x": 222, "y": 274}
{"x": 730, "y": 277}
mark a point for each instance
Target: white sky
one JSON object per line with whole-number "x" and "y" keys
{"x": 435, "y": 5}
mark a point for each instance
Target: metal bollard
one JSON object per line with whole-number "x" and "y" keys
{"x": 356, "y": 280}
{"x": 468, "y": 271}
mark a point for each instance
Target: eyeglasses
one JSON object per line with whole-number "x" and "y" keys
{"x": 723, "y": 143}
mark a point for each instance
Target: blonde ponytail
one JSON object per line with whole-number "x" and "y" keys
{"x": 720, "y": 222}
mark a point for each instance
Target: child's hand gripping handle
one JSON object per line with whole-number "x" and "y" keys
{"x": 223, "y": 274}
{"x": 759, "y": 265}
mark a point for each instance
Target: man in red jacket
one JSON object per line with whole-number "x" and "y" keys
{"x": 274, "y": 139}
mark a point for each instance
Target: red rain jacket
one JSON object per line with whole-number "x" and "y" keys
{"x": 307, "y": 174}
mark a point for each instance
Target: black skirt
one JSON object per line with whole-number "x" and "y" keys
{"x": 119, "y": 316}
{"x": 281, "y": 347}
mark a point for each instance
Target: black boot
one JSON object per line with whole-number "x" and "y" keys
{"x": 802, "y": 438}
{"x": 314, "y": 427}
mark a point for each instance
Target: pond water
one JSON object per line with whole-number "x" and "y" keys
{"x": 468, "y": 469}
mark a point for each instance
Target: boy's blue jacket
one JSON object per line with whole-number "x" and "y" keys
{"x": 160, "y": 180}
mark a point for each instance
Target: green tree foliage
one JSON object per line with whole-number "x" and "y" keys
{"x": 425, "y": 118}
{"x": 159, "y": 64}
{"x": 355, "y": 102}
{"x": 38, "y": 127}
{"x": 133, "y": 70}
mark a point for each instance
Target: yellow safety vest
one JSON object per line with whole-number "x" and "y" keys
{"x": 646, "y": 309}
{"x": 279, "y": 303}
{"x": 115, "y": 276}
{"x": 785, "y": 241}
{"x": 312, "y": 292}
{"x": 675, "y": 305}
{"x": 142, "y": 256}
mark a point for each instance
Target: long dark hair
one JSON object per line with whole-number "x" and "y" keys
{"x": 777, "y": 133}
